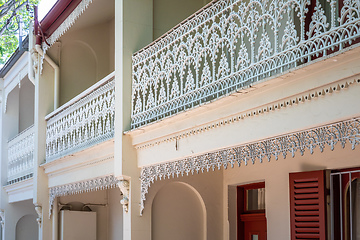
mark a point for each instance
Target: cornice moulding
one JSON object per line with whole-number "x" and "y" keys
{"x": 290, "y": 101}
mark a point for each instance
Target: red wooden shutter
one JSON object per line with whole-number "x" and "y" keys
{"x": 307, "y": 205}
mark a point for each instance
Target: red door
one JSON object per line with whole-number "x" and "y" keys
{"x": 251, "y": 212}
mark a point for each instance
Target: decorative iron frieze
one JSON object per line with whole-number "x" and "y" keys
{"x": 21, "y": 156}
{"x": 87, "y": 122}
{"x": 124, "y": 186}
{"x": 320, "y": 137}
{"x": 231, "y": 44}
{"x": 96, "y": 184}
{"x": 67, "y": 23}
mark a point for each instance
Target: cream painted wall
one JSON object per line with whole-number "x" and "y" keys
{"x": 276, "y": 177}
{"x": 115, "y": 225}
{"x": 26, "y": 104}
{"x": 85, "y": 56}
{"x": 208, "y": 185}
{"x": 178, "y": 212}
{"x": 169, "y": 13}
{"x": 44, "y": 104}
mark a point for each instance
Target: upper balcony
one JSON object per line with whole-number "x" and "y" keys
{"x": 84, "y": 121}
{"x": 232, "y": 44}
{"x": 21, "y": 156}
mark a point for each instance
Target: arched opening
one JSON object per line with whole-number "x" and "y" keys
{"x": 27, "y": 228}
{"x": 178, "y": 212}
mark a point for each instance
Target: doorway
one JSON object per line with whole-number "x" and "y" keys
{"x": 251, "y": 212}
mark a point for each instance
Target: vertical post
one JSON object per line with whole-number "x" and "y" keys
{"x": 350, "y": 199}
{"x": 341, "y": 204}
{"x": 55, "y": 219}
{"x": 38, "y": 210}
{"x": 332, "y": 205}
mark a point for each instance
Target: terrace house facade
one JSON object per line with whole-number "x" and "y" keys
{"x": 191, "y": 119}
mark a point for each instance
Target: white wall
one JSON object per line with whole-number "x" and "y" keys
{"x": 26, "y": 228}
{"x": 16, "y": 227}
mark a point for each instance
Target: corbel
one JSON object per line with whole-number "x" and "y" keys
{"x": 124, "y": 187}
{"x": 2, "y": 216}
{"x": 38, "y": 210}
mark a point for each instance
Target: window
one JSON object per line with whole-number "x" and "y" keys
{"x": 251, "y": 212}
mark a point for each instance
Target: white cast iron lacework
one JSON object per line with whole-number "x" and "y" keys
{"x": 21, "y": 156}
{"x": 342, "y": 132}
{"x": 231, "y": 44}
{"x": 86, "y": 122}
{"x": 96, "y": 184}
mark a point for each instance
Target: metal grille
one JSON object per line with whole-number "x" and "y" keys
{"x": 345, "y": 205}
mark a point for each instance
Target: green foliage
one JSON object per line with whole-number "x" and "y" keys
{"x": 11, "y": 11}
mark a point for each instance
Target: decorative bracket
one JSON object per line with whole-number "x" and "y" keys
{"x": 124, "y": 188}
{"x": 38, "y": 210}
{"x": 2, "y": 216}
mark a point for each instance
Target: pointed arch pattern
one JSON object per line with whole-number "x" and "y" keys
{"x": 298, "y": 142}
{"x": 231, "y": 44}
{"x": 21, "y": 156}
{"x": 87, "y": 121}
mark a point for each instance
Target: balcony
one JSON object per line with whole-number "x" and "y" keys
{"x": 230, "y": 45}
{"x": 21, "y": 156}
{"x": 84, "y": 121}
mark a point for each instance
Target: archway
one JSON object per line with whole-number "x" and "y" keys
{"x": 178, "y": 212}
{"x": 27, "y": 228}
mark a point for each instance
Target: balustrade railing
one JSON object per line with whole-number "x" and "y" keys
{"x": 21, "y": 156}
{"x": 230, "y": 44}
{"x": 85, "y": 121}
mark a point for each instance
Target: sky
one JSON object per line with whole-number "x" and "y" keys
{"x": 44, "y": 7}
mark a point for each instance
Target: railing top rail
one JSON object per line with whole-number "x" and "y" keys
{"x": 26, "y": 131}
{"x": 80, "y": 96}
{"x": 172, "y": 34}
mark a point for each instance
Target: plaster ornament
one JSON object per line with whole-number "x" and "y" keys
{"x": 38, "y": 210}
{"x": 124, "y": 188}
{"x": 2, "y": 216}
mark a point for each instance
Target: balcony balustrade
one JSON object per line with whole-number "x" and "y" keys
{"x": 21, "y": 156}
{"x": 231, "y": 44}
{"x": 86, "y": 120}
